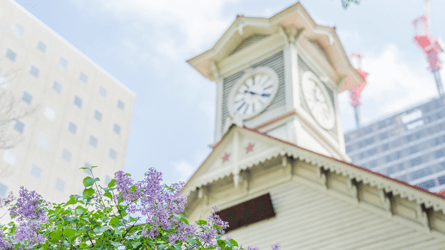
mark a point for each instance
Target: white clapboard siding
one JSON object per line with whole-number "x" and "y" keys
{"x": 310, "y": 219}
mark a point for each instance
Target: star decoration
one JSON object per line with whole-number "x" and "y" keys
{"x": 225, "y": 157}
{"x": 249, "y": 147}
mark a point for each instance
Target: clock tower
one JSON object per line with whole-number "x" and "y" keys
{"x": 281, "y": 76}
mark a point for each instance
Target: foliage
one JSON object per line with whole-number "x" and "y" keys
{"x": 123, "y": 215}
{"x": 346, "y": 3}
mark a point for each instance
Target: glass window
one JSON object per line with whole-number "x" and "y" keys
{"x": 93, "y": 141}
{"x": 439, "y": 153}
{"x": 18, "y": 30}
{"x": 416, "y": 161}
{"x": 87, "y": 171}
{"x": 19, "y": 126}
{"x": 427, "y": 184}
{"x": 400, "y": 167}
{"x": 41, "y": 46}
{"x": 102, "y": 91}
{"x": 78, "y": 101}
{"x": 10, "y": 157}
{"x": 43, "y": 141}
{"x": 402, "y": 178}
{"x": 117, "y": 129}
{"x": 441, "y": 179}
{"x": 63, "y": 62}
{"x": 57, "y": 87}
{"x": 50, "y": 113}
{"x": 83, "y": 77}
{"x": 36, "y": 171}
{"x": 3, "y": 189}
{"x": 34, "y": 71}
{"x": 11, "y": 55}
{"x": 66, "y": 155}
{"x": 385, "y": 146}
{"x": 27, "y": 97}
{"x": 388, "y": 158}
{"x": 112, "y": 154}
{"x": 98, "y": 115}
{"x": 390, "y": 170}
{"x": 120, "y": 104}
{"x": 383, "y": 135}
{"x": 60, "y": 185}
{"x": 72, "y": 128}
{"x": 107, "y": 179}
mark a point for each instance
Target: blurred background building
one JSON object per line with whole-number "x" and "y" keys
{"x": 82, "y": 114}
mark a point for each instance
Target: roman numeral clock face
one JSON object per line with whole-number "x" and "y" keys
{"x": 253, "y": 93}
{"x": 318, "y": 100}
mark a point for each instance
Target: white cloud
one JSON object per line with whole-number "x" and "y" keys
{"x": 393, "y": 84}
{"x": 184, "y": 169}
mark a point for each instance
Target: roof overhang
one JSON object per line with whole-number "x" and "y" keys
{"x": 293, "y": 19}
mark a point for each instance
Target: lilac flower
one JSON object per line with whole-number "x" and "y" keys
{"x": 4, "y": 244}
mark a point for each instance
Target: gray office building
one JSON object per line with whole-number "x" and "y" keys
{"x": 409, "y": 145}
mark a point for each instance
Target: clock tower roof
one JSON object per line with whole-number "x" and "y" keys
{"x": 293, "y": 24}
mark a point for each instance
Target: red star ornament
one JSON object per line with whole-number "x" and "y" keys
{"x": 225, "y": 157}
{"x": 249, "y": 147}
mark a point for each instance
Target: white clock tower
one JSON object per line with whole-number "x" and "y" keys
{"x": 281, "y": 76}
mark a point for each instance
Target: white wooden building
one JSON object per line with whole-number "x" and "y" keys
{"x": 278, "y": 170}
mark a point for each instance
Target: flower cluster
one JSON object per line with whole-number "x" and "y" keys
{"x": 125, "y": 214}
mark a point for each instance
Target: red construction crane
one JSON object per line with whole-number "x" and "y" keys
{"x": 429, "y": 44}
{"x": 355, "y": 93}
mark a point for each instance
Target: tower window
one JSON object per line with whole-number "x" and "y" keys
{"x": 11, "y": 55}
{"x": 27, "y": 97}
{"x": 57, "y": 87}
{"x": 43, "y": 141}
{"x": 19, "y": 126}
{"x": 78, "y": 101}
{"x": 41, "y": 46}
{"x": 50, "y": 113}
{"x": 18, "y": 30}
{"x": 3, "y": 189}
{"x": 72, "y": 128}
{"x": 66, "y": 155}
{"x": 10, "y": 157}
{"x": 102, "y": 91}
{"x": 117, "y": 129}
{"x": 34, "y": 71}
{"x": 112, "y": 154}
{"x": 98, "y": 115}
{"x": 63, "y": 62}
{"x": 83, "y": 77}
{"x": 36, "y": 171}
{"x": 60, "y": 185}
{"x": 93, "y": 141}
{"x": 120, "y": 104}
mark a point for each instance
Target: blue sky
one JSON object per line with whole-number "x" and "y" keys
{"x": 145, "y": 45}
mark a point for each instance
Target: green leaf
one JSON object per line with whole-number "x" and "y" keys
{"x": 109, "y": 195}
{"x": 80, "y": 210}
{"x": 69, "y": 233}
{"x": 185, "y": 221}
{"x": 88, "y": 181}
{"x": 234, "y": 242}
{"x": 112, "y": 183}
{"x": 201, "y": 222}
{"x": 93, "y": 167}
{"x": 177, "y": 246}
{"x": 116, "y": 244}
{"x": 99, "y": 230}
{"x": 55, "y": 236}
{"x": 114, "y": 221}
{"x": 218, "y": 227}
{"x": 88, "y": 192}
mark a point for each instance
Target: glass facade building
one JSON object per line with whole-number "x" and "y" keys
{"x": 409, "y": 146}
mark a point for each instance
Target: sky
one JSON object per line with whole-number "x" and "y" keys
{"x": 145, "y": 45}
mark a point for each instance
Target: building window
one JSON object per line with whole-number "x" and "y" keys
{"x": 102, "y": 91}
{"x": 107, "y": 179}
{"x": 10, "y": 157}
{"x": 72, "y": 128}
{"x": 57, "y": 87}
{"x": 439, "y": 153}
{"x": 11, "y": 55}
{"x": 87, "y": 171}
{"x": 98, "y": 115}
{"x": 441, "y": 179}
{"x": 120, "y": 104}
{"x": 93, "y": 141}
{"x": 78, "y": 101}
{"x": 18, "y": 30}
{"x": 416, "y": 161}
{"x": 50, "y": 113}
{"x": 60, "y": 185}
{"x": 117, "y": 129}
{"x": 36, "y": 171}
{"x": 427, "y": 184}
{"x": 63, "y": 62}
{"x": 4, "y": 82}
{"x": 27, "y": 97}
{"x": 43, "y": 141}
{"x": 112, "y": 154}
{"x": 41, "y": 46}
{"x": 83, "y": 77}
{"x": 34, "y": 71}
{"x": 66, "y": 155}
{"x": 3, "y": 189}
{"x": 19, "y": 126}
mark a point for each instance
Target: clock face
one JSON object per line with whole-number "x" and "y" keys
{"x": 318, "y": 100}
{"x": 253, "y": 93}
